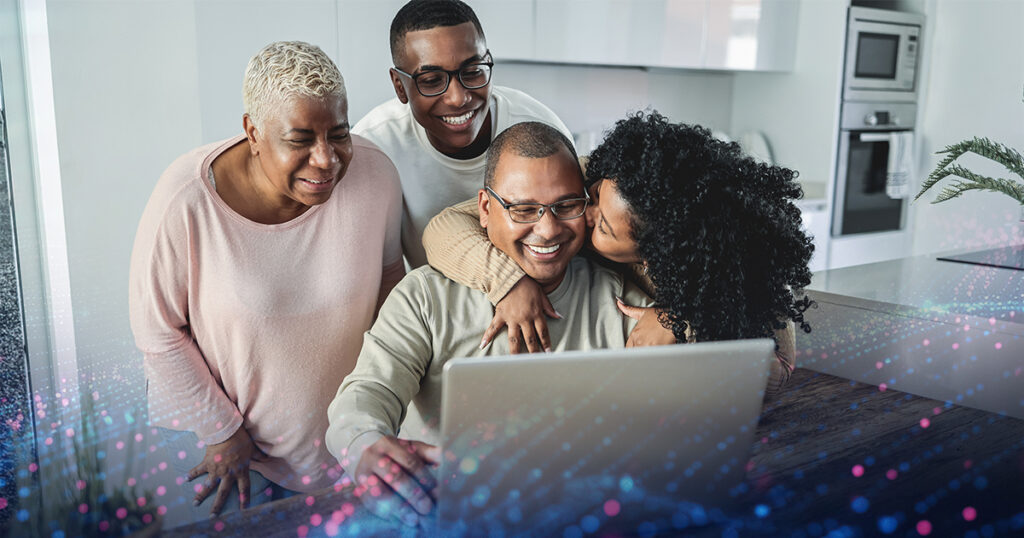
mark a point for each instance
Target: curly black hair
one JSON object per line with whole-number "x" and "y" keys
{"x": 718, "y": 230}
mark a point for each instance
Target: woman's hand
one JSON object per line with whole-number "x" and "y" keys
{"x": 523, "y": 309}
{"x": 648, "y": 331}
{"x": 225, "y": 465}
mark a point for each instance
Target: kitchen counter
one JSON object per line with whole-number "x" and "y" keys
{"x": 831, "y": 455}
{"x": 945, "y": 330}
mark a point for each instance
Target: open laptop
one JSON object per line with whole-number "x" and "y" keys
{"x": 625, "y": 442}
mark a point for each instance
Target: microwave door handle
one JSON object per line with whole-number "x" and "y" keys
{"x": 874, "y": 137}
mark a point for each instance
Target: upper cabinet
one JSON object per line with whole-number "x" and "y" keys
{"x": 695, "y": 34}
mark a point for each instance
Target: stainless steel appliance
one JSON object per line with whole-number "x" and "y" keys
{"x": 863, "y": 194}
{"x": 882, "y": 55}
{"x": 879, "y": 112}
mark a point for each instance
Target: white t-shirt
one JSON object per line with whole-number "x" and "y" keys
{"x": 431, "y": 180}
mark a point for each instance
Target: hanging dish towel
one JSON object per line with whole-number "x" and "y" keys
{"x": 900, "y": 167}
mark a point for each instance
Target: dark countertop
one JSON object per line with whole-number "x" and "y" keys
{"x": 949, "y": 331}
{"x": 832, "y": 456}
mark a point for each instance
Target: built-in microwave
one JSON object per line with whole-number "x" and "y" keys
{"x": 882, "y": 50}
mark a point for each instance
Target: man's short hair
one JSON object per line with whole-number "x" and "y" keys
{"x": 531, "y": 139}
{"x": 286, "y": 69}
{"x": 427, "y": 14}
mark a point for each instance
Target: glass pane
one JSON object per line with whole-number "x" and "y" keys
{"x": 876, "y": 55}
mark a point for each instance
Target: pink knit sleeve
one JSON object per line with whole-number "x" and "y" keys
{"x": 182, "y": 392}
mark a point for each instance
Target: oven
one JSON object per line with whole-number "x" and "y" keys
{"x": 872, "y": 189}
{"x": 882, "y": 55}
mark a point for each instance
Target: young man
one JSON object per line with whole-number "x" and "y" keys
{"x": 446, "y": 112}
{"x": 532, "y": 206}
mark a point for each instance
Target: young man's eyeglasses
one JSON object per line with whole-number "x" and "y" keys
{"x": 434, "y": 82}
{"x": 525, "y": 213}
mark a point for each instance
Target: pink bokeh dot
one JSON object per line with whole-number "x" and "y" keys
{"x": 302, "y": 531}
{"x": 162, "y": 466}
{"x": 141, "y": 501}
{"x": 122, "y": 513}
{"x": 612, "y": 507}
{"x": 926, "y": 342}
{"x": 3, "y": 503}
{"x": 69, "y": 432}
{"x": 160, "y": 491}
{"x": 925, "y": 423}
{"x": 120, "y": 445}
{"x": 181, "y": 454}
{"x": 936, "y": 410}
{"x": 49, "y": 441}
{"x": 967, "y": 327}
{"x": 309, "y": 500}
{"x": 80, "y": 484}
{"x": 924, "y": 527}
{"x": 83, "y": 508}
{"x": 891, "y": 474}
{"x": 956, "y": 345}
{"x": 147, "y": 518}
{"x": 858, "y": 470}
{"x": 999, "y": 345}
{"x": 991, "y": 321}
{"x": 348, "y": 509}
{"x": 32, "y": 467}
{"x": 882, "y": 387}
{"x": 218, "y": 526}
{"x": 104, "y": 525}
{"x": 878, "y": 365}
{"x": 315, "y": 520}
{"x": 161, "y": 510}
{"x": 306, "y": 480}
{"x": 138, "y": 438}
{"x": 197, "y": 488}
{"x": 131, "y": 481}
{"x": 969, "y": 513}
{"x": 968, "y": 464}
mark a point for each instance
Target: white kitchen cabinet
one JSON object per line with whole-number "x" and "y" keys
{"x": 751, "y": 35}
{"x": 665, "y": 33}
{"x": 508, "y": 25}
{"x": 695, "y": 34}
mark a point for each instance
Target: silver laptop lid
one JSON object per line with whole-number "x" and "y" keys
{"x": 627, "y": 441}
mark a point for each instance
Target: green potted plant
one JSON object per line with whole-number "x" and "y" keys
{"x": 81, "y": 502}
{"x": 969, "y": 180}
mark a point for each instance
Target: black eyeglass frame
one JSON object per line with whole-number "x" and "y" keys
{"x": 456, "y": 73}
{"x": 541, "y": 207}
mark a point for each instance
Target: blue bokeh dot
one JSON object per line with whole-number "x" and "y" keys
{"x": 860, "y": 505}
{"x": 887, "y": 524}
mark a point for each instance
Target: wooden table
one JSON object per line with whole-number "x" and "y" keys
{"x": 832, "y": 456}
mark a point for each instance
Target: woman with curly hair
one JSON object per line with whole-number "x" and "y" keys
{"x": 710, "y": 233}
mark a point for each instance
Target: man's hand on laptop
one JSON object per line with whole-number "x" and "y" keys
{"x": 395, "y": 481}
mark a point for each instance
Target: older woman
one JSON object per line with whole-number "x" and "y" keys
{"x": 711, "y": 234}
{"x": 259, "y": 262}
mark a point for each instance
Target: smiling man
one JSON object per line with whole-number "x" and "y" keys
{"x": 446, "y": 111}
{"x": 532, "y": 206}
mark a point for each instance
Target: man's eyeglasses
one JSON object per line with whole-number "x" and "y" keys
{"x": 433, "y": 82}
{"x": 572, "y": 208}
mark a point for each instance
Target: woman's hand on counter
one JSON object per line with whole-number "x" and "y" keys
{"x": 225, "y": 466}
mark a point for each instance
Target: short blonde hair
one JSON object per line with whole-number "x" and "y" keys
{"x": 286, "y": 69}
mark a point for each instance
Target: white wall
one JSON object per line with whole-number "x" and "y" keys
{"x": 974, "y": 87}
{"x": 798, "y": 112}
{"x": 591, "y": 99}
